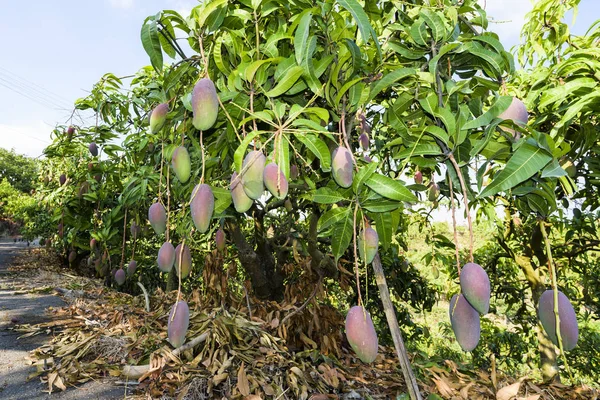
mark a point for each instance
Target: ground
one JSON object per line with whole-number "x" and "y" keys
{"x": 19, "y": 306}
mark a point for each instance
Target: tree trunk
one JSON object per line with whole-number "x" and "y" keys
{"x": 267, "y": 281}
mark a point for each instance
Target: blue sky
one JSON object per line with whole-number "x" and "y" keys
{"x": 54, "y": 51}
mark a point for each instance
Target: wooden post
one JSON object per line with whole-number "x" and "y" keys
{"x": 409, "y": 377}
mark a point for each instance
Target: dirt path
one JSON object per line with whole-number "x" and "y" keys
{"x": 19, "y": 307}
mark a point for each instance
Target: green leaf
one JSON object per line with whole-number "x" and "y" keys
{"x": 362, "y": 20}
{"x": 301, "y": 37}
{"x": 151, "y": 43}
{"x": 390, "y": 188}
{"x": 240, "y": 152}
{"x": 282, "y": 150}
{"x": 553, "y": 170}
{"x": 222, "y": 199}
{"x": 389, "y": 79}
{"x": 331, "y": 217}
{"x": 384, "y": 226}
{"x": 325, "y": 195}
{"x": 380, "y": 205}
{"x": 318, "y": 148}
{"x": 498, "y": 108}
{"x": 202, "y": 12}
{"x": 362, "y": 175}
{"x": 524, "y": 163}
{"x": 342, "y": 236}
{"x": 288, "y": 80}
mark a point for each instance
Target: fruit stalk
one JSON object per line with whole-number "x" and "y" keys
{"x": 466, "y": 201}
{"x": 409, "y": 377}
{"x": 453, "y": 208}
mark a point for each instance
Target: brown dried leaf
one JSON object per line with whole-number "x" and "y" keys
{"x": 242, "y": 384}
{"x": 509, "y": 392}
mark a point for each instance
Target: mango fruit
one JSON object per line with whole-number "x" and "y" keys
{"x": 569, "y": 329}
{"x": 72, "y": 256}
{"x": 220, "y": 240}
{"x": 433, "y": 192}
{"x": 158, "y": 218}
{"x": 275, "y": 181}
{"x": 241, "y": 201}
{"x": 93, "y": 148}
{"x": 361, "y": 334}
{"x": 342, "y": 167}
{"x": 158, "y": 117}
{"x": 202, "y": 206}
{"x": 293, "y": 172}
{"x": 205, "y": 104}
{"x": 93, "y": 244}
{"x": 183, "y": 261}
{"x": 131, "y": 267}
{"x": 363, "y": 140}
{"x": 62, "y": 179}
{"x": 475, "y": 287}
{"x": 120, "y": 276}
{"x": 70, "y": 132}
{"x": 465, "y": 322}
{"x": 418, "y": 177}
{"x": 252, "y": 174}
{"x": 181, "y": 164}
{"x": 368, "y": 243}
{"x": 179, "y": 322}
{"x": 517, "y": 112}
{"x": 166, "y": 257}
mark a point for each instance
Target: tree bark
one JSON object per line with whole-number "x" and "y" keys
{"x": 267, "y": 282}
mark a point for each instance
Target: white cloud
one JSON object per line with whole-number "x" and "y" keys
{"x": 30, "y": 139}
{"x": 508, "y": 17}
{"x": 124, "y": 4}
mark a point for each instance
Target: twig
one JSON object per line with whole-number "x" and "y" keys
{"x": 138, "y": 371}
{"x": 145, "y": 296}
{"x": 297, "y": 310}
{"x": 409, "y": 377}
{"x": 453, "y": 206}
{"x": 466, "y": 201}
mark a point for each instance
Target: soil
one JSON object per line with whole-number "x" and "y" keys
{"x": 21, "y": 304}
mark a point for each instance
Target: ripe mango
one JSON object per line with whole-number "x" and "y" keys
{"x": 205, "y": 104}
{"x": 293, "y": 172}
{"x": 131, "y": 267}
{"x": 220, "y": 240}
{"x": 368, "y": 243}
{"x": 202, "y": 206}
{"x": 179, "y": 322}
{"x": 70, "y": 132}
{"x": 158, "y": 218}
{"x": 93, "y": 147}
{"x": 166, "y": 257}
{"x": 342, "y": 167}
{"x": 361, "y": 334}
{"x": 363, "y": 140}
{"x": 465, "y": 322}
{"x": 241, "y": 201}
{"x": 120, "y": 276}
{"x": 418, "y": 177}
{"x": 183, "y": 260}
{"x": 569, "y": 330}
{"x": 517, "y": 112}
{"x": 181, "y": 164}
{"x": 275, "y": 181}
{"x": 252, "y": 174}
{"x": 158, "y": 117}
{"x": 475, "y": 286}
